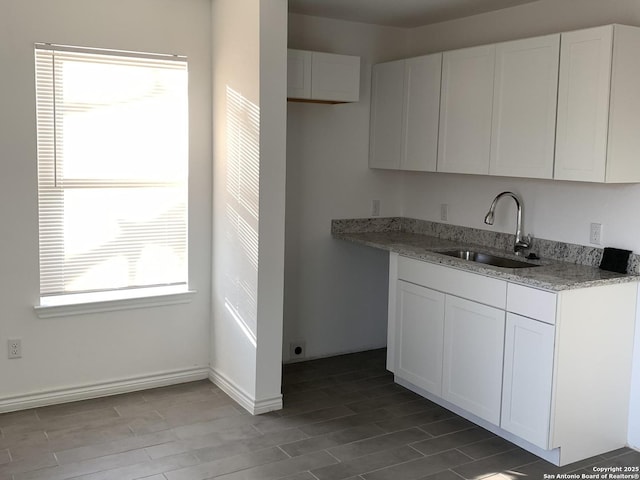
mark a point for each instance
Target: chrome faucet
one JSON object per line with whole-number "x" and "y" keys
{"x": 520, "y": 243}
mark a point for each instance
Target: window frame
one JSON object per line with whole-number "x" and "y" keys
{"x": 136, "y": 296}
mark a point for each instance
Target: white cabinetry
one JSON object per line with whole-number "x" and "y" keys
{"x": 322, "y": 77}
{"x": 598, "y": 105}
{"x": 298, "y": 74}
{"x": 562, "y": 106}
{"x": 466, "y": 104}
{"x": 386, "y": 115}
{"x": 404, "y": 114}
{"x": 419, "y": 332}
{"x": 524, "y": 107}
{"x": 519, "y": 361}
{"x": 449, "y": 346}
{"x": 528, "y": 374}
{"x": 421, "y": 113}
{"x": 473, "y": 351}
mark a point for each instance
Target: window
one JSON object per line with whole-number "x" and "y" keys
{"x": 112, "y": 170}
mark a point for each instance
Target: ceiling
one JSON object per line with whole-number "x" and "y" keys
{"x": 399, "y": 13}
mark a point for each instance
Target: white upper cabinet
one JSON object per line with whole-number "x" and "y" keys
{"x": 599, "y": 105}
{"x": 385, "y": 133}
{"x": 421, "y": 113}
{"x": 404, "y": 114}
{"x": 466, "y": 105}
{"x": 323, "y": 77}
{"x": 298, "y": 74}
{"x": 524, "y": 107}
{"x": 563, "y": 106}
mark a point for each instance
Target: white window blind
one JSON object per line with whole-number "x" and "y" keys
{"x": 112, "y": 169}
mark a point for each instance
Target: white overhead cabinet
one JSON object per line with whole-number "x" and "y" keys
{"x": 298, "y": 74}
{"x": 563, "y": 106}
{"x": 524, "y": 107}
{"x": 404, "y": 114}
{"x": 466, "y": 104}
{"x": 599, "y": 105}
{"x": 322, "y": 77}
{"x": 385, "y": 134}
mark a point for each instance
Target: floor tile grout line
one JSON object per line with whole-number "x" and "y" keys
{"x": 417, "y": 451}
{"x": 280, "y": 448}
{"x": 332, "y": 456}
{"x": 395, "y": 464}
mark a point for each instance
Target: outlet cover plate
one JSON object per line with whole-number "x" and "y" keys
{"x": 595, "y": 234}
{"x": 14, "y": 347}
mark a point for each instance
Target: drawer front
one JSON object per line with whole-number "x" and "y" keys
{"x": 532, "y": 303}
{"x": 481, "y": 289}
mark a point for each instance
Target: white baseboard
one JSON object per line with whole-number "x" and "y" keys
{"x": 102, "y": 389}
{"x": 246, "y": 401}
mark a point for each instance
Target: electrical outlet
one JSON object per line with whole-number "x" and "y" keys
{"x": 297, "y": 350}
{"x": 444, "y": 212}
{"x": 595, "y": 235}
{"x": 375, "y": 208}
{"x": 15, "y": 348}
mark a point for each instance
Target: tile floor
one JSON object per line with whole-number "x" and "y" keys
{"x": 344, "y": 418}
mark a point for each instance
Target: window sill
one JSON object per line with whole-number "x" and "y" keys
{"x": 81, "y": 304}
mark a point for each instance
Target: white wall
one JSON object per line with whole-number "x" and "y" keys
{"x": 89, "y": 349}
{"x": 553, "y": 210}
{"x": 249, "y": 51}
{"x": 236, "y": 136}
{"x": 335, "y": 293}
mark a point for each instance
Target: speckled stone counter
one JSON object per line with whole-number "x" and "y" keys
{"x": 562, "y": 266}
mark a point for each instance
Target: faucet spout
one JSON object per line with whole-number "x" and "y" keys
{"x": 520, "y": 243}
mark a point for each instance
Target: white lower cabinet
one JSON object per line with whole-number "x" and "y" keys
{"x": 473, "y": 353}
{"x": 528, "y": 379}
{"x": 420, "y": 328}
{"x": 534, "y": 366}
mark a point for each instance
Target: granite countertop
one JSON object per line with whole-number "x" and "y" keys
{"x": 549, "y": 274}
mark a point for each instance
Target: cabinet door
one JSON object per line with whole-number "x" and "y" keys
{"x": 466, "y": 103}
{"x": 421, "y": 113}
{"x": 385, "y": 141}
{"x": 524, "y": 107}
{"x": 298, "y": 74}
{"x": 473, "y": 357}
{"x": 583, "y": 104}
{"x": 419, "y": 336}
{"x": 335, "y": 77}
{"x": 528, "y": 371}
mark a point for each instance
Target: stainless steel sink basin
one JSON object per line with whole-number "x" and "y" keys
{"x": 487, "y": 259}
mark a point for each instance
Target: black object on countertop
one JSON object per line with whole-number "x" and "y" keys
{"x": 615, "y": 260}
{"x": 532, "y": 256}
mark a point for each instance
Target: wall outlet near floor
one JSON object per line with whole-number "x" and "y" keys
{"x": 297, "y": 350}
{"x": 444, "y": 212}
{"x": 375, "y": 208}
{"x": 14, "y": 345}
{"x": 595, "y": 234}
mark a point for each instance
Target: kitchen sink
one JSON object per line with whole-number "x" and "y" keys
{"x": 488, "y": 259}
